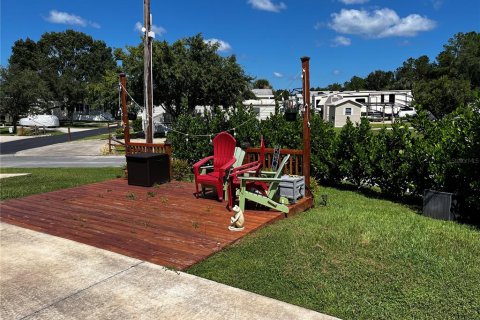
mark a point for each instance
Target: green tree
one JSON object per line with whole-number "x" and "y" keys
{"x": 261, "y": 84}
{"x": 71, "y": 60}
{"x": 354, "y": 84}
{"x": 412, "y": 71}
{"x": 25, "y": 55}
{"x": 335, "y": 87}
{"x": 20, "y": 91}
{"x": 442, "y": 96}
{"x": 103, "y": 94}
{"x": 186, "y": 74}
{"x": 379, "y": 80}
{"x": 460, "y": 58}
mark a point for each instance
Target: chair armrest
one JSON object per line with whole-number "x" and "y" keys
{"x": 244, "y": 180}
{"x": 267, "y": 173}
{"x": 225, "y": 167}
{"x": 251, "y": 167}
{"x": 198, "y": 164}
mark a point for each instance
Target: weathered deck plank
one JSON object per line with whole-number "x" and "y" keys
{"x": 164, "y": 224}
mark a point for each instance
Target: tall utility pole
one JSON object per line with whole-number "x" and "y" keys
{"x": 306, "y": 118}
{"x": 147, "y": 70}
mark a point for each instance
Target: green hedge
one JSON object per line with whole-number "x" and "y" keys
{"x": 443, "y": 155}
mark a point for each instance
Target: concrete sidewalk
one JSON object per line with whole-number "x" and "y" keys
{"x": 46, "y": 277}
{"x": 72, "y": 148}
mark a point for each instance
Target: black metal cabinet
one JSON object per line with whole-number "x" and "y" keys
{"x": 145, "y": 169}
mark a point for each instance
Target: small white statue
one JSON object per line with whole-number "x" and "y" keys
{"x": 237, "y": 220}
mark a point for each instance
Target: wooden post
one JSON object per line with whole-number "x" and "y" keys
{"x": 109, "y": 138}
{"x": 306, "y": 118}
{"x": 69, "y": 135}
{"x": 125, "y": 122}
{"x": 147, "y": 71}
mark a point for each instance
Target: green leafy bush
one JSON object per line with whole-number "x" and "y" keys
{"x": 443, "y": 155}
{"x": 137, "y": 124}
{"x": 181, "y": 170}
{"x": 192, "y": 134}
{"x": 323, "y": 141}
{"x": 391, "y": 165}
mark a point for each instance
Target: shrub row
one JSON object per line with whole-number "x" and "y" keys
{"x": 443, "y": 155}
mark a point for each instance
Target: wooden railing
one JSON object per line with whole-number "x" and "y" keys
{"x": 137, "y": 147}
{"x": 293, "y": 166}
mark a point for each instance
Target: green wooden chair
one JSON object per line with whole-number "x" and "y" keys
{"x": 271, "y": 198}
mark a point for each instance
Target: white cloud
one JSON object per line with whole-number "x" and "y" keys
{"x": 267, "y": 5}
{"x": 223, "y": 46}
{"x": 341, "y": 41}
{"x": 69, "y": 19}
{"x": 159, "y": 31}
{"x": 354, "y": 1}
{"x": 336, "y": 72}
{"x": 379, "y": 23}
{"x": 278, "y": 75}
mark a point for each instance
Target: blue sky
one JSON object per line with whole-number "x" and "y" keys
{"x": 343, "y": 37}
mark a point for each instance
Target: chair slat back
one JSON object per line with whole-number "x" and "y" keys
{"x": 272, "y": 189}
{"x": 239, "y": 155}
{"x": 223, "y": 149}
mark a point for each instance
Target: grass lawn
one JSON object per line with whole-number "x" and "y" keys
{"x": 47, "y": 179}
{"x": 359, "y": 258}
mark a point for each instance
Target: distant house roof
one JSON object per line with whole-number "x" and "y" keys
{"x": 262, "y": 92}
{"x": 344, "y": 101}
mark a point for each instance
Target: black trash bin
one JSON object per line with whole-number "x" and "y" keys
{"x": 439, "y": 205}
{"x": 145, "y": 169}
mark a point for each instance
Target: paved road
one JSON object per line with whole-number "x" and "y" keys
{"x": 78, "y": 153}
{"x": 24, "y": 144}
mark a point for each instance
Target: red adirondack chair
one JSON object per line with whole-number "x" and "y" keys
{"x": 253, "y": 169}
{"x": 223, "y": 159}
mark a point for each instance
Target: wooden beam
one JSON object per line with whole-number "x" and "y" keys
{"x": 306, "y": 118}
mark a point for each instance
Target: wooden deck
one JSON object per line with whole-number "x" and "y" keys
{"x": 165, "y": 224}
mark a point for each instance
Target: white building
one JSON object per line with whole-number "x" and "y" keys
{"x": 340, "y": 110}
{"x": 264, "y": 104}
{"x": 385, "y": 103}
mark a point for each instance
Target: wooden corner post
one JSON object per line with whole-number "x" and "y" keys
{"x": 125, "y": 122}
{"x": 306, "y": 118}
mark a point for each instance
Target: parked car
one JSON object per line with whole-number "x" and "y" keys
{"x": 407, "y": 112}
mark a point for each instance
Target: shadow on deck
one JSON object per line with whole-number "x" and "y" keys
{"x": 164, "y": 224}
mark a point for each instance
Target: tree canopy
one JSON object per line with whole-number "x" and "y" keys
{"x": 20, "y": 91}
{"x": 186, "y": 74}
{"x": 262, "y": 84}
{"x": 68, "y": 63}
